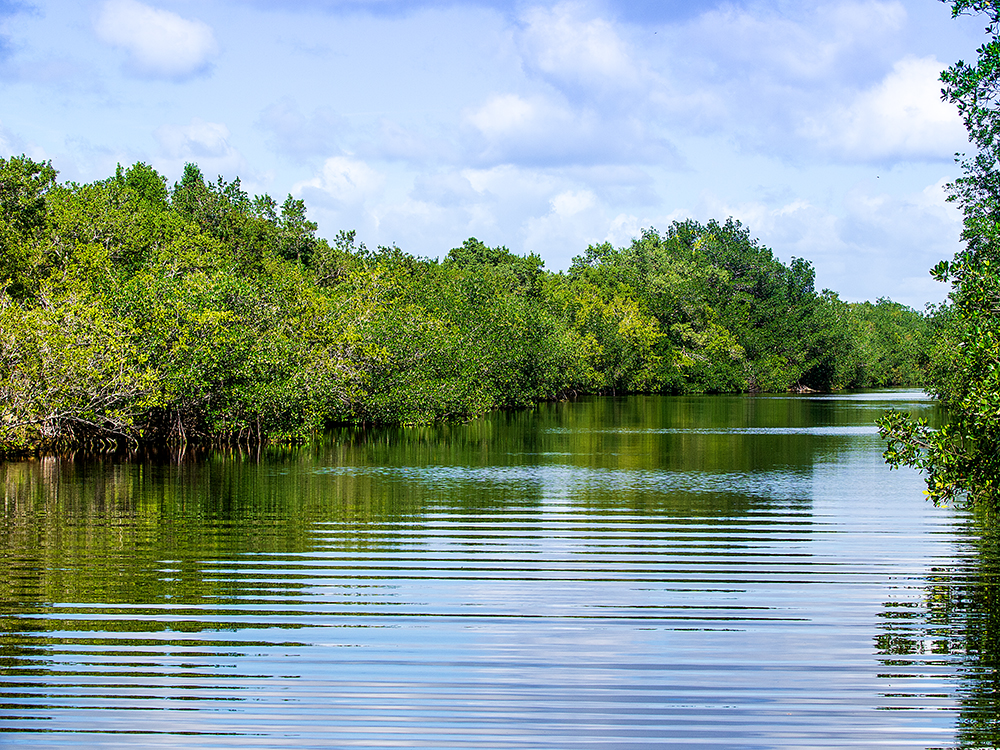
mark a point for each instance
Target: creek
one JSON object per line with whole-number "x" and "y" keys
{"x": 635, "y": 572}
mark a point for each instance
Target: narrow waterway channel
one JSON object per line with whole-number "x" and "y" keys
{"x": 723, "y": 571}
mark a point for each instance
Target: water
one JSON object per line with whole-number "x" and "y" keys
{"x": 738, "y": 572}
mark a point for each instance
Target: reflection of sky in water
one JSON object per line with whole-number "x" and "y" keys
{"x": 890, "y": 395}
{"x": 831, "y": 430}
{"x": 398, "y": 611}
{"x": 563, "y": 480}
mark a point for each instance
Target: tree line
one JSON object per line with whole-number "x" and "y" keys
{"x": 136, "y": 312}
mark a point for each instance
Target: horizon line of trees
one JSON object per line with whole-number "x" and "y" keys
{"x": 135, "y": 312}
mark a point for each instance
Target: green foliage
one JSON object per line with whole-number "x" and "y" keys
{"x": 887, "y": 344}
{"x": 962, "y": 460}
{"x": 134, "y": 312}
{"x": 729, "y": 315}
{"x": 23, "y": 209}
{"x": 70, "y": 371}
{"x": 524, "y": 273}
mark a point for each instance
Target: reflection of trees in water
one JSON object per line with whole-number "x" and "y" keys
{"x": 956, "y": 626}
{"x": 973, "y": 605}
{"x": 109, "y": 531}
{"x": 98, "y": 528}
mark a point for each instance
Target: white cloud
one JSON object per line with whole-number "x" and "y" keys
{"x": 589, "y": 52}
{"x": 575, "y": 221}
{"x": 431, "y": 229}
{"x": 775, "y": 80}
{"x": 539, "y": 131}
{"x": 901, "y": 117}
{"x": 796, "y": 82}
{"x": 522, "y": 192}
{"x": 542, "y": 125}
{"x": 299, "y": 135}
{"x": 624, "y": 227}
{"x": 9, "y": 143}
{"x": 529, "y": 210}
{"x": 204, "y": 143}
{"x": 199, "y": 139}
{"x": 572, "y": 202}
{"x": 875, "y": 245}
{"x": 160, "y": 44}
{"x": 815, "y": 42}
{"x": 517, "y": 129}
{"x": 343, "y": 181}
{"x": 506, "y": 114}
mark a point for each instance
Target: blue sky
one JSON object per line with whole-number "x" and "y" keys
{"x": 540, "y": 126}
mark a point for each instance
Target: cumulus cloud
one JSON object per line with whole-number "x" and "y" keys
{"x": 528, "y": 210}
{"x": 160, "y": 44}
{"x": 572, "y": 202}
{"x": 785, "y": 83}
{"x": 204, "y": 143}
{"x": 539, "y": 131}
{"x": 896, "y": 239}
{"x": 780, "y": 82}
{"x": 503, "y": 116}
{"x": 563, "y": 44}
{"x": 576, "y": 219}
{"x": 815, "y": 42}
{"x": 518, "y": 190}
{"x": 447, "y": 189}
{"x": 588, "y": 100}
{"x": 430, "y": 229}
{"x": 342, "y": 181}
{"x": 554, "y": 212}
{"x": 298, "y": 135}
{"x": 902, "y": 117}
{"x": 9, "y": 142}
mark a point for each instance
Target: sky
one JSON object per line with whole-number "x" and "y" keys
{"x": 544, "y": 127}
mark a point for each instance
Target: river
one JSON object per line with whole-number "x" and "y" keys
{"x": 637, "y": 572}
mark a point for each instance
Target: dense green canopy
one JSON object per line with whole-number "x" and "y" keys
{"x": 135, "y": 312}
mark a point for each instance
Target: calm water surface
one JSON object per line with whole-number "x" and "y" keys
{"x": 719, "y": 571}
